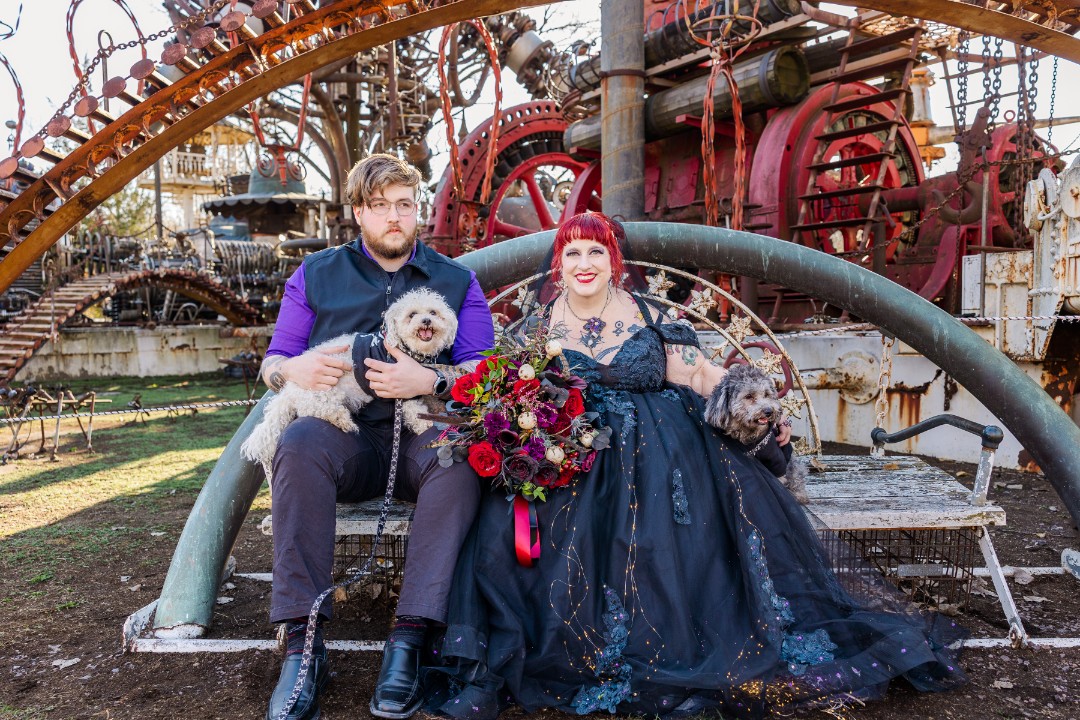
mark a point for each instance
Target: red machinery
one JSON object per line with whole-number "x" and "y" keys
{"x": 921, "y": 228}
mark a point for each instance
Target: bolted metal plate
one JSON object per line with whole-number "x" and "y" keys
{"x": 1070, "y": 192}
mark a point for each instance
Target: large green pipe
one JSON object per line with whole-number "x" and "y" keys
{"x": 186, "y": 605}
{"x": 187, "y": 598}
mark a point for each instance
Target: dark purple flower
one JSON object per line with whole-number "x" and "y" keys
{"x": 494, "y": 423}
{"x": 545, "y": 416}
{"x": 508, "y": 438}
{"x": 520, "y": 468}
{"x": 535, "y": 447}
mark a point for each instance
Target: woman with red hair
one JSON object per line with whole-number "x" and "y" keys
{"x": 676, "y": 575}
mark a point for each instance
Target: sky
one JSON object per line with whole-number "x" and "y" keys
{"x": 39, "y": 53}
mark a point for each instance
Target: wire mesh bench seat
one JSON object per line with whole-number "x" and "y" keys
{"x": 910, "y": 521}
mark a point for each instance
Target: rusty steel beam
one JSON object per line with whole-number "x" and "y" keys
{"x": 254, "y": 58}
{"x": 981, "y": 21}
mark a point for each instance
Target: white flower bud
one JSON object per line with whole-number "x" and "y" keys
{"x": 586, "y": 439}
{"x": 526, "y": 372}
{"x": 526, "y": 421}
{"x": 555, "y": 454}
{"x": 553, "y": 348}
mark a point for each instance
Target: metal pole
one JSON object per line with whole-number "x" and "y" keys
{"x": 622, "y": 107}
{"x": 157, "y": 200}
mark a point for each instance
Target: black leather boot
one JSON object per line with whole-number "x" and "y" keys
{"x": 307, "y": 705}
{"x": 397, "y": 693}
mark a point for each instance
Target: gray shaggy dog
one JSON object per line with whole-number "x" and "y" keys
{"x": 745, "y": 407}
{"x": 420, "y": 323}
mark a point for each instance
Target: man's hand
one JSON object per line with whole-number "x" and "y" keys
{"x": 311, "y": 371}
{"x": 404, "y": 379}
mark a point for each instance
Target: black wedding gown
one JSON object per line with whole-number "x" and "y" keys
{"x": 676, "y": 576}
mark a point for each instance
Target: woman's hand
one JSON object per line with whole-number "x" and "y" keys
{"x": 405, "y": 378}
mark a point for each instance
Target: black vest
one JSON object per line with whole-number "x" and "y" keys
{"x": 349, "y": 291}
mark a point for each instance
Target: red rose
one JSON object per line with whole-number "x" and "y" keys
{"x": 487, "y": 365}
{"x": 562, "y": 422}
{"x": 587, "y": 463}
{"x": 463, "y": 386}
{"x": 485, "y": 459}
{"x": 565, "y": 475}
{"x": 522, "y": 387}
{"x": 575, "y": 404}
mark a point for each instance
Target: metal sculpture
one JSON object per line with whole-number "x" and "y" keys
{"x": 206, "y": 93}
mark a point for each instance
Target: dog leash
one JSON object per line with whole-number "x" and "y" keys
{"x": 309, "y": 636}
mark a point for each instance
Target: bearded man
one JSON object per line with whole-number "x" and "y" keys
{"x": 347, "y": 289}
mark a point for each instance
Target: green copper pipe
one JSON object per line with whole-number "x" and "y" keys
{"x": 186, "y": 605}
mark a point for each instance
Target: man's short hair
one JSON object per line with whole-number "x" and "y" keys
{"x": 369, "y": 177}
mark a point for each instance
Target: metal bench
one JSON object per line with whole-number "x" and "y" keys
{"x": 910, "y": 520}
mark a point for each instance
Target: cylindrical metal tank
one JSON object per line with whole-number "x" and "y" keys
{"x": 779, "y": 77}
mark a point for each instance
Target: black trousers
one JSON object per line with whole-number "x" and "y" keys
{"x": 318, "y": 465}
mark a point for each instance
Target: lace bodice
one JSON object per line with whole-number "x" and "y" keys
{"x": 640, "y": 365}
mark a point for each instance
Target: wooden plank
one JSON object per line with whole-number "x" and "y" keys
{"x": 363, "y": 518}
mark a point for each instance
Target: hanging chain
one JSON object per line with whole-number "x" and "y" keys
{"x": 1053, "y": 101}
{"x": 996, "y": 82}
{"x": 884, "y": 378}
{"x": 107, "y": 51}
{"x": 962, "y": 81}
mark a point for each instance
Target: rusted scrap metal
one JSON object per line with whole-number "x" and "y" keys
{"x": 779, "y": 77}
{"x": 28, "y": 332}
{"x": 205, "y": 94}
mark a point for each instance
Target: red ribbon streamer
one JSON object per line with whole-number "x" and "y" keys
{"x": 526, "y": 532}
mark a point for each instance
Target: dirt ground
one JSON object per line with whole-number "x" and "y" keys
{"x": 60, "y": 649}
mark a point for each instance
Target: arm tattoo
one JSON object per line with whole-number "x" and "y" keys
{"x": 276, "y": 381}
{"x": 453, "y": 372}
{"x": 689, "y": 354}
{"x": 273, "y": 378}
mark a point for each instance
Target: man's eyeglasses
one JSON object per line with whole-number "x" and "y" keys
{"x": 382, "y": 207}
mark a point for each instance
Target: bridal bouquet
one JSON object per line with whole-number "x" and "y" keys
{"x": 520, "y": 420}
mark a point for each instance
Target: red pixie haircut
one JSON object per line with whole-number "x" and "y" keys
{"x": 594, "y": 227}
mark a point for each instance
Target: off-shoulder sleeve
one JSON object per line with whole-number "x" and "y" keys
{"x": 678, "y": 333}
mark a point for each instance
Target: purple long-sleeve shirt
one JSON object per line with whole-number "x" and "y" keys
{"x": 296, "y": 319}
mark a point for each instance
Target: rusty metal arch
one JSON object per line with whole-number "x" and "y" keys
{"x": 130, "y": 144}
{"x": 1039, "y": 32}
{"x": 25, "y": 335}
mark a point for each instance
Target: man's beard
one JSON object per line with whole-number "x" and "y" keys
{"x": 390, "y": 246}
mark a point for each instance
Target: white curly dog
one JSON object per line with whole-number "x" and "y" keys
{"x": 419, "y": 323}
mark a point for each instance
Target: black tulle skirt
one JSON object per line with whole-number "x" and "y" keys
{"x": 676, "y": 576}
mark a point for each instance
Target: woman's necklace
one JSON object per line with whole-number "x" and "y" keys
{"x": 592, "y": 328}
